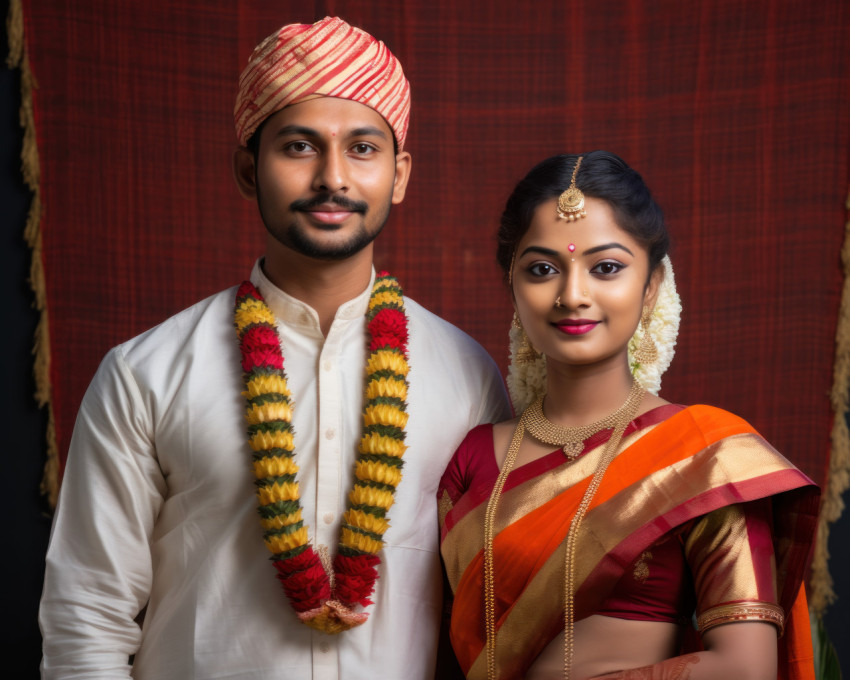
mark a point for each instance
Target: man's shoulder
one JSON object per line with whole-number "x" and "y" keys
{"x": 435, "y": 337}
{"x": 208, "y": 318}
{"x": 436, "y": 329}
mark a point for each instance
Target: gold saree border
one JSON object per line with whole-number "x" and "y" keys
{"x": 838, "y": 474}
{"x": 599, "y": 536}
{"x": 31, "y": 172}
{"x": 524, "y": 498}
{"x": 719, "y": 462}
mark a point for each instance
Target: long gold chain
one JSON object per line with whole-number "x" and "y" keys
{"x": 489, "y": 522}
{"x": 622, "y": 417}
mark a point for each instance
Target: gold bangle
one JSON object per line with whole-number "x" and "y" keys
{"x": 742, "y": 611}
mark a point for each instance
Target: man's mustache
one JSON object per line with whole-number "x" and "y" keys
{"x": 303, "y": 204}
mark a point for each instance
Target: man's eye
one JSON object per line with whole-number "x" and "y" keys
{"x": 363, "y": 148}
{"x": 298, "y": 147}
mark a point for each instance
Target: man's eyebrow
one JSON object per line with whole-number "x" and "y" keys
{"x": 302, "y": 130}
{"x": 606, "y": 246}
{"x": 368, "y": 131}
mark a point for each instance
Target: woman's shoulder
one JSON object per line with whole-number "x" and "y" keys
{"x": 475, "y": 453}
{"x": 710, "y": 418}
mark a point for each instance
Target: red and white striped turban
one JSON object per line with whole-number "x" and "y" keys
{"x": 329, "y": 59}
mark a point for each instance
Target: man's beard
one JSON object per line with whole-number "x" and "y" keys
{"x": 299, "y": 239}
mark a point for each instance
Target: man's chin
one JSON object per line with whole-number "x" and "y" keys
{"x": 334, "y": 251}
{"x": 330, "y": 243}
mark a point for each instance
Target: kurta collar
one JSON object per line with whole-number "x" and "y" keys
{"x": 293, "y": 311}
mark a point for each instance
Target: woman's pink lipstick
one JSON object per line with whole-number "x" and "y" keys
{"x": 576, "y": 326}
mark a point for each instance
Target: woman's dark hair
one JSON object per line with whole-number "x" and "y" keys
{"x": 601, "y": 175}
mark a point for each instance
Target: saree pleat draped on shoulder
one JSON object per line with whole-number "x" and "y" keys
{"x": 742, "y": 515}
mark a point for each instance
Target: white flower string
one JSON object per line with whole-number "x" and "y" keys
{"x": 664, "y": 329}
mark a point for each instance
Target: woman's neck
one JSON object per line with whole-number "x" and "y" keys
{"x": 580, "y": 395}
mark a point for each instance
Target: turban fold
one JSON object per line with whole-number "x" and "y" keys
{"x": 329, "y": 58}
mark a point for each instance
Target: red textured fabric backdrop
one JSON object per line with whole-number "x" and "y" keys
{"x": 735, "y": 113}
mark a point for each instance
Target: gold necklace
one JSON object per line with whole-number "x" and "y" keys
{"x": 623, "y": 416}
{"x": 571, "y": 439}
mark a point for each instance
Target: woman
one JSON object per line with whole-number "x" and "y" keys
{"x": 597, "y": 558}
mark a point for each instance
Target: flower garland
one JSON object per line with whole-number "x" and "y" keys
{"x": 325, "y": 596}
{"x": 527, "y": 381}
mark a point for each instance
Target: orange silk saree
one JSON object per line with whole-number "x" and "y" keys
{"x": 674, "y": 467}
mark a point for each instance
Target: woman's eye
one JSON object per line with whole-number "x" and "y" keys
{"x": 541, "y": 269}
{"x": 607, "y": 268}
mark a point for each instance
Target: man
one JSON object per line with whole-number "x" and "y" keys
{"x": 157, "y": 551}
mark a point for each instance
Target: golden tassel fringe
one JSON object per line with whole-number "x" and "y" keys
{"x": 838, "y": 479}
{"x": 31, "y": 172}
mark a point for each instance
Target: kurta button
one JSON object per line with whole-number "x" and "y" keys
{"x": 328, "y": 517}
{"x": 329, "y": 433}
{"x": 325, "y": 647}
{"x": 327, "y": 365}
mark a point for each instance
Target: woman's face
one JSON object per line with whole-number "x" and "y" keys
{"x": 599, "y": 272}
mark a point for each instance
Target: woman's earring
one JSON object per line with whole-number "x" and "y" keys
{"x": 646, "y": 352}
{"x": 525, "y": 353}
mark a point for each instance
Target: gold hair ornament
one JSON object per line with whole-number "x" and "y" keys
{"x": 571, "y": 202}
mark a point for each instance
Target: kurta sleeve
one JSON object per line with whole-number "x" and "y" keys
{"x": 98, "y": 575}
{"x": 495, "y": 405}
{"x": 730, "y": 553}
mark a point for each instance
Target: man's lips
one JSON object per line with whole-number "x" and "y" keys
{"x": 575, "y": 326}
{"x": 329, "y": 214}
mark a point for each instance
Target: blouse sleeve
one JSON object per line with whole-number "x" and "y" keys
{"x": 730, "y": 554}
{"x": 474, "y": 454}
{"x": 452, "y": 483}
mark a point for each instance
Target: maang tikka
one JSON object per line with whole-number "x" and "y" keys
{"x": 571, "y": 202}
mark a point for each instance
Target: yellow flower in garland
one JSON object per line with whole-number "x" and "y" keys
{"x": 369, "y": 497}
{"x": 373, "y": 471}
{"x": 391, "y": 362}
{"x": 376, "y": 443}
{"x": 274, "y": 467}
{"x": 386, "y": 387}
{"x": 385, "y": 414}
{"x": 266, "y": 413}
{"x": 377, "y": 471}
{"x": 365, "y": 521}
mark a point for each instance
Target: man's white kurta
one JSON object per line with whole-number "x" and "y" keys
{"x": 157, "y": 512}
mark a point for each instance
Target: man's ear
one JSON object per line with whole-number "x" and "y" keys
{"x": 403, "y": 163}
{"x": 244, "y": 172}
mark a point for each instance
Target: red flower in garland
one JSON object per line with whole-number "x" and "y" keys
{"x": 260, "y": 346}
{"x": 355, "y": 578}
{"x": 388, "y": 328}
{"x": 304, "y": 580}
